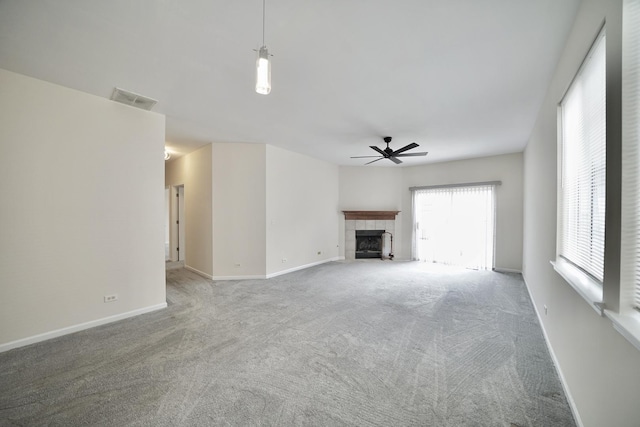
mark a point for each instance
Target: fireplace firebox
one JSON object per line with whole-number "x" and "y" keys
{"x": 369, "y": 243}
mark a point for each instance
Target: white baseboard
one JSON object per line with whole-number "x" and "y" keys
{"x": 506, "y": 270}
{"x": 572, "y": 403}
{"x": 302, "y": 267}
{"x": 278, "y": 273}
{"x": 80, "y": 327}
{"x": 254, "y": 277}
{"x": 198, "y": 272}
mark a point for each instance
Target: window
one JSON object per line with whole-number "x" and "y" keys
{"x": 626, "y": 319}
{"x": 630, "y": 264}
{"x": 454, "y": 225}
{"x": 582, "y": 186}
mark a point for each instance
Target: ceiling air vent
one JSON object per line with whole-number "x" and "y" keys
{"x": 133, "y": 99}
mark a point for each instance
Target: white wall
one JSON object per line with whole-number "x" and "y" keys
{"x": 250, "y": 205}
{"x": 81, "y": 179}
{"x": 382, "y": 188}
{"x": 600, "y": 368}
{"x": 239, "y": 235}
{"x": 194, "y": 171}
{"x": 302, "y": 213}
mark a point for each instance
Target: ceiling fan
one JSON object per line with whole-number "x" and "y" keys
{"x": 388, "y": 153}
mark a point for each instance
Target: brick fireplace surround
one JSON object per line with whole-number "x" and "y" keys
{"x": 368, "y": 220}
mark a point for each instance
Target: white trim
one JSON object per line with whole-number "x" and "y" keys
{"x": 628, "y": 325}
{"x": 506, "y": 270}
{"x": 301, "y": 267}
{"x": 565, "y": 387}
{"x": 467, "y": 184}
{"x": 198, "y": 272}
{"x": 255, "y": 277}
{"x": 278, "y": 273}
{"x": 79, "y": 327}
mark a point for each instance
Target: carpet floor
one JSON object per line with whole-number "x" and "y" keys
{"x": 375, "y": 343}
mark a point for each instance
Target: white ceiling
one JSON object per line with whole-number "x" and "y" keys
{"x": 462, "y": 78}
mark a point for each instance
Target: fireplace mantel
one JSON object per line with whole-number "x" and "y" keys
{"x": 370, "y": 214}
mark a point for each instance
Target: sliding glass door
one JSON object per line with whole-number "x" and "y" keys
{"x": 455, "y": 225}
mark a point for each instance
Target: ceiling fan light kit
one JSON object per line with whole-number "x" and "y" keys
{"x": 389, "y": 153}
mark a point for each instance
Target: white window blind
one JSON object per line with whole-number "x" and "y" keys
{"x": 630, "y": 260}
{"x": 455, "y": 225}
{"x": 582, "y": 192}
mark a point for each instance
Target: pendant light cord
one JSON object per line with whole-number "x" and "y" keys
{"x": 263, "y": 13}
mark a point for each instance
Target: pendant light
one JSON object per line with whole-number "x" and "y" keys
{"x": 263, "y": 65}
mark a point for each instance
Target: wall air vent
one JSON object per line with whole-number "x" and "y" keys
{"x": 133, "y": 99}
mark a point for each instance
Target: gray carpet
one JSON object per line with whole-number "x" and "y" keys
{"x": 376, "y": 343}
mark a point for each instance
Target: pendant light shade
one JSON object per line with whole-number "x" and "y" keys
{"x": 263, "y": 65}
{"x": 263, "y": 72}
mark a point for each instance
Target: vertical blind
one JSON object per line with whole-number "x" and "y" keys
{"x": 582, "y": 193}
{"x": 630, "y": 261}
{"x": 455, "y": 225}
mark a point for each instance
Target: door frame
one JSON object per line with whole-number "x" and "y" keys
{"x": 177, "y": 237}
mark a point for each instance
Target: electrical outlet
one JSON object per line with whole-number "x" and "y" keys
{"x": 110, "y": 298}
{"x": 545, "y": 309}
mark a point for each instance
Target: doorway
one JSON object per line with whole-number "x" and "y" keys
{"x": 455, "y": 225}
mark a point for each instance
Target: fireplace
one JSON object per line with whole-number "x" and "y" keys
{"x": 383, "y": 226}
{"x": 369, "y": 243}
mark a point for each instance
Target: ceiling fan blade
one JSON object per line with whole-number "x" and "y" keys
{"x": 361, "y": 157}
{"x": 405, "y": 148}
{"x": 424, "y": 153}
{"x": 379, "y": 150}
{"x": 374, "y": 161}
{"x": 394, "y": 160}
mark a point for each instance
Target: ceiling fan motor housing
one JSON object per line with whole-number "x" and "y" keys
{"x": 387, "y": 150}
{"x": 391, "y": 154}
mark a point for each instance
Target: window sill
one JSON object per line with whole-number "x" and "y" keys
{"x": 587, "y": 288}
{"x": 627, "y": 324}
